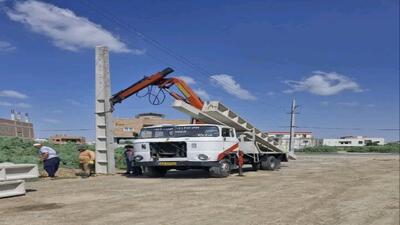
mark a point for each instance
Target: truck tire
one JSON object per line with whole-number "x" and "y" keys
{"x": 278, "y": 164}
{"x": 222, "y": 170}
{"x": 268, "y": 163}
{"x": 255, "y": 166}
{"x": 152, "y": 171}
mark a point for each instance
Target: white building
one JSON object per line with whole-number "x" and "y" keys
{"x": 301, "y": 139}
{"x": 353, "y": 141}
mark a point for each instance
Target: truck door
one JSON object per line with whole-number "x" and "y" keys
{"x": 230, "y": 140}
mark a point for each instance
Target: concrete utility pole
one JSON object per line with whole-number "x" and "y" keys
{"x": 105, "y": 162}
{"x": 292, "y": 126}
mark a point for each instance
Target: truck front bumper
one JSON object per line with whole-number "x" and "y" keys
{"x": 174, "y": 164}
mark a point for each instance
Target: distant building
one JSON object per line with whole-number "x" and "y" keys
{"x": 127, "y": 129}
{"x": 353, "y": 141}
{"x": 16, "y": 126}
{"x": 63, "y": 139}
{"x": 301, "y": 139}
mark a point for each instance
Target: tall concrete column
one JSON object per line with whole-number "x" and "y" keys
{"x": 105, "y": 162}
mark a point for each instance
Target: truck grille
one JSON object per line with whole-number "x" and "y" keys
{"x": 168, "y": 150}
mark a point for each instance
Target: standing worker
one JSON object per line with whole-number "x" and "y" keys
{"x": 86, "y": 161}
{"x": 128, "y": 154}
{"x": 50, "y": 159}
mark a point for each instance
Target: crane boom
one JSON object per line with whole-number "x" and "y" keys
{"x": 158, "y": 79}
{"x": 140, "y": 85}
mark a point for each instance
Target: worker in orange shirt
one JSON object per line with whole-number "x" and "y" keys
{"x": 86, "y": 161}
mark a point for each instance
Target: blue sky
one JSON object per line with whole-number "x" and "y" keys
{"x": 339, "y": 59}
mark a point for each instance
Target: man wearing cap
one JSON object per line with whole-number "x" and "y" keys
{"x": 50, "y": 159}
{"x": 86, "y": 161}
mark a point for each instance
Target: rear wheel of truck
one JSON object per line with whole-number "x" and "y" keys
{"x": 151, "y": 171}
{"x": 278, "y": 164}
{"x": 268, "y": 163}
{"x": 223, "y": 169}
{"x": 255, "y": 166}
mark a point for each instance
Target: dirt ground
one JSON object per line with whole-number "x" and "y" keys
{"x": 315, "y": 189}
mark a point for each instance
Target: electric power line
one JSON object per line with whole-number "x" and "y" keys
{"x": 133, "y": 30}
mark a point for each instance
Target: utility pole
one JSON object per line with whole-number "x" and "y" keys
{"x": 105, "y": 162}
{"x": 292, "y": 125}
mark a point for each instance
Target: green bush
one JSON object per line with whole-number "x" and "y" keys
{"x": 17, "y": 150}
{"x": 321, "y": 149}
{"x": 119, "y": 158}
{"x": 387, "y": 148}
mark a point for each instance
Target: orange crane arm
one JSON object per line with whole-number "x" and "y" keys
{"x": 140, "y": 85}
{"x": 158, "y": 79}
{"x": 190, "y": 96}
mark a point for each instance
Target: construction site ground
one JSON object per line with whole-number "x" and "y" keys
{"x": 315, "y": 189}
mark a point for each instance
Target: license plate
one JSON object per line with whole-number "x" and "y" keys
{"x": 167, "y": 163}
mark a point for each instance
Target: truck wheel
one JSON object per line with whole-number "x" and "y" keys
{"x": 151, "y": 171}
{"x": 222, "y": 170}
{"x": 278, "y": 164}
{"x": 255, "y": 166}
{"x": 268, "y": 163}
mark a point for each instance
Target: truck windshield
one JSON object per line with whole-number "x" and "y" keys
{"x": 179, "y": 131}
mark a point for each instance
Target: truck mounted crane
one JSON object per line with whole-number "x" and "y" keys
{"x": 217, "y": 140}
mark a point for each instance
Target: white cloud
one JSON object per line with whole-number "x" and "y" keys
{"x": 231, "y": 86}
{"x": 6, "y": 47}
{"x": 188, "y": 80}
{"x": 202, "y": 93}
{"x": 67, "y": 30}
{"x": 322, "y": 83}
{"x": 349, "y": 104}
{"x": 12, "y": 94}
{"x": 74, "y": 102}
{"x": 7, "y": 104}
{"x": 325, "y": 103}
{"x": 15, "y": 105}
{"x": 48, "y": 120}
{"x": 356, "y": 104}
{"x": 271, "y": 93}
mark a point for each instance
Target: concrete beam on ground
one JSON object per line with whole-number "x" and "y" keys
{"x": 18, "y": 171}
{"x": 12, "y": 188}
{"x": 2, "y": 174}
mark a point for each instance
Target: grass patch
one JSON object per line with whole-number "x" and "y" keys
{"x": 387, "y": 148}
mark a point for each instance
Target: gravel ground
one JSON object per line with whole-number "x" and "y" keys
{"x": 315, "y": 189}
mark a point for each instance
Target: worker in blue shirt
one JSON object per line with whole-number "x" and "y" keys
{"x": 50, "y": 159}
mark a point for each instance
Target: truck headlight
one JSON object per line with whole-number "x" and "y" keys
{"x": 137, "y": 158}
{"x": 202, "y": 157}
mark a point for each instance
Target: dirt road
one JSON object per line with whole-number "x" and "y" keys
{"x": 315, "y": 189}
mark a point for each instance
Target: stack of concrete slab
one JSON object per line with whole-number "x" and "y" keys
{"x": 216, "y": 113}
{"x": 12, "y": 178}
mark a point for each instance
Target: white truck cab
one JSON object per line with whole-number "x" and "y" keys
{"x": 164, "y": 147}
